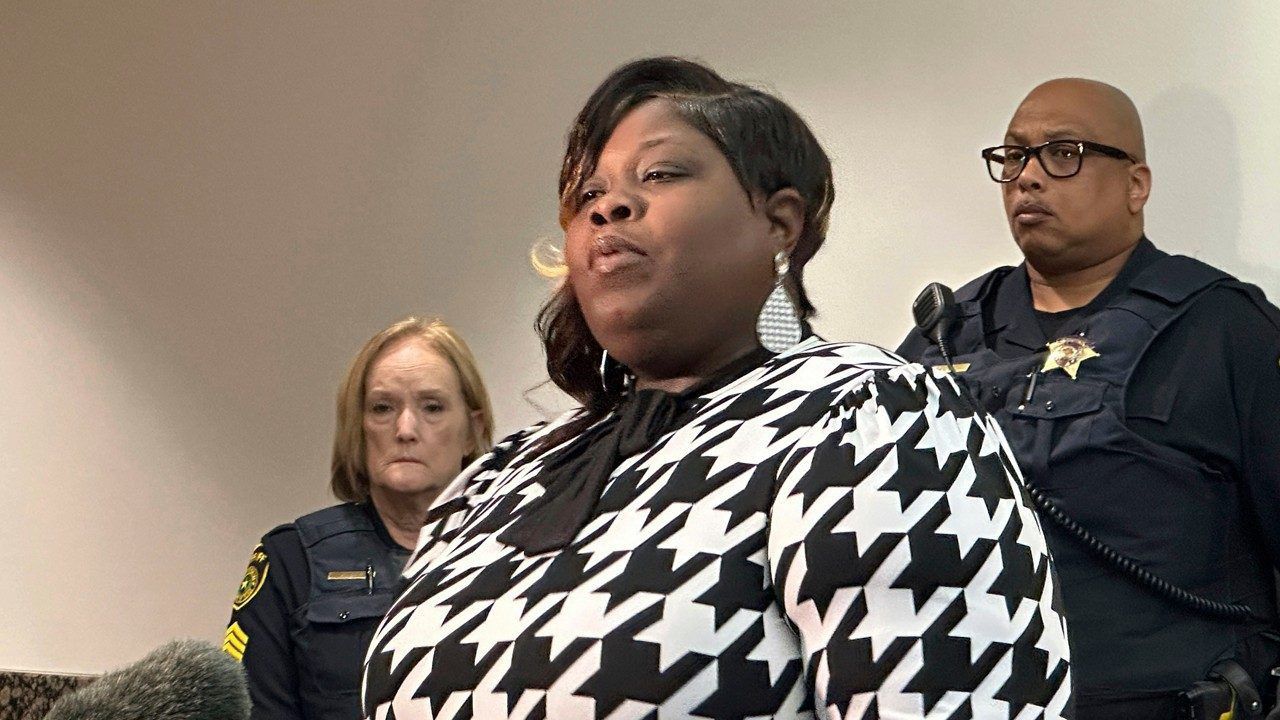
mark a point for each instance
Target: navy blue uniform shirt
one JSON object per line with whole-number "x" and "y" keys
{"x": 301, "y": 630}
{"x": 1207, "y": 387}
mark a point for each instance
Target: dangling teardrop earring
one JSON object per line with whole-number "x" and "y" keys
{"x": 779, "y": 324}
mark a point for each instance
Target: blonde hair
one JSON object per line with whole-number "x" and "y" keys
{"x": 350, "y": 478}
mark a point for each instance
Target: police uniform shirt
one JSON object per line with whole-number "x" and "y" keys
{"x": 293, "y": 672}
{"x": 1208, "y": 386}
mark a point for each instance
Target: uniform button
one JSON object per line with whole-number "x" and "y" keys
{"x": 996, "y": 391}
{"x": 1048, "y": 405}
{"x": 343, "y": 615}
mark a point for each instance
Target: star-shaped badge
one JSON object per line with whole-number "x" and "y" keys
{"x": 1067, "y": 353}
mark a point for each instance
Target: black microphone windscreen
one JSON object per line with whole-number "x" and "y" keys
{"x": 182, "y": 680}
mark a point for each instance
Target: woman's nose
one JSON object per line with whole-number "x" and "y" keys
{"x": 406, "y": 426}
{"x": 613, "y": 207}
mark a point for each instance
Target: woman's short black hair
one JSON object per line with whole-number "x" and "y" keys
{"x": 768, "y": 146}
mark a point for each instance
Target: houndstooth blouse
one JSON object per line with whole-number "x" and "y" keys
{"x": 833, "y": 534}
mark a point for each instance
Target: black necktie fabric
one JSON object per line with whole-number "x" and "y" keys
{"x": 575, "y": 476}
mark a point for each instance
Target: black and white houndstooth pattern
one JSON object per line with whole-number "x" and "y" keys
{"x": 833, "y": 535}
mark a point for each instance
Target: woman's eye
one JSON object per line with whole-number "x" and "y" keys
{"x": 589, "y": 196}
{"x": 380, "y": 408}
{"x": 660, "y": 175}
{"x": 433, "y": 407}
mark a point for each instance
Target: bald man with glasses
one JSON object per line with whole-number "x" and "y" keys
{"x": 1140, "y": 392}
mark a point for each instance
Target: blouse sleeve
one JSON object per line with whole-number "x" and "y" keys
{"x": 910, "y": 564}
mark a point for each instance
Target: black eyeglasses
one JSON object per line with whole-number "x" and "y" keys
{"x": 1059, "y": 158}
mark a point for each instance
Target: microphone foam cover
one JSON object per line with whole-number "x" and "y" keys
{"x": 181, "y": 680}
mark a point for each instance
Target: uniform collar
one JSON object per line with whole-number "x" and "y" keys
{"x": 1014, "y": 317}
{"x": 379, "y": 527}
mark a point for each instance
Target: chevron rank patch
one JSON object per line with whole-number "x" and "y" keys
{"x": 235, "y": 641}
{"x": 254, "y": 577}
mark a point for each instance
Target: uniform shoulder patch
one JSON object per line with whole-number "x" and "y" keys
{"x": 254, "y": 577}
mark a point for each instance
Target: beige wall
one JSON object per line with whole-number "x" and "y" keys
{"x": 206, "y": 207}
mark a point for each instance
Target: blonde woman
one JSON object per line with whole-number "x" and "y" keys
{"x": 411, "y": 413}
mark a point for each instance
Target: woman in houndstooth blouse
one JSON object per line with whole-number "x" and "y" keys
{"x": 720, "y": 531}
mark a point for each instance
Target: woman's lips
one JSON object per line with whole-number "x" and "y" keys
{"x": 613, "y": 253}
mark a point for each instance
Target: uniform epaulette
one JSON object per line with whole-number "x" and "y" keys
{"x": 1174, "y": 278}
{"x": 977, "y": 288}
{"x": 335, "y": 520}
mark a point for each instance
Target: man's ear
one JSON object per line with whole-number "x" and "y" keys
{"x": 785, "y": 212}
{"x": 1139, "y": 187}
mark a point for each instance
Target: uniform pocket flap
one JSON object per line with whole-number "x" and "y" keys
{"x": 348, "y": 607}
{"x": 1059, "y": 398}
